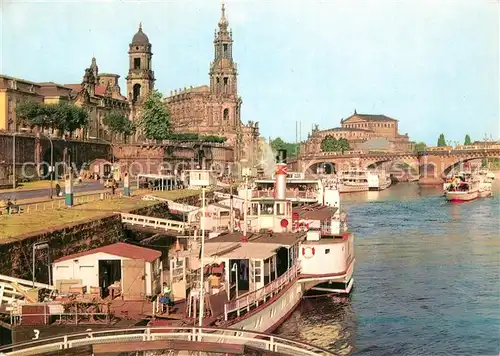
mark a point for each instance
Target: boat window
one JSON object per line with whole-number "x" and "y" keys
{"x": 266, "y": 208}
{"x": 280, "y": 208}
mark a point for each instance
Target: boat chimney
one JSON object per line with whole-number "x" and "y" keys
{"x": 280, "y": 175}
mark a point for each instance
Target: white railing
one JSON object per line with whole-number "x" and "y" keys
{"x": 290, "y": 194}
{"x": 172, "y": 205}
{"x": 196, "y": 335}
{"x": 157, "y": 223}
{"x": 255, "y": 298}
{"x": 220, "y": 195}
{"x": 30, "y": 208}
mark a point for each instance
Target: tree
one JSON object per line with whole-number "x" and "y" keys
{"x": 119, "y": 123}
{"x": 67, "y": 117}
{"x": 467, "y": 140}
{"x": 61, "y": 116}
{"x": 331, "y": 144}
{"x": 441, "y": 141}
{"x": 343, "y": 145}
{"x": 155, "y": 118}
{"x": 33, "y": 114}
{"x": 420, "y": 147}
{"x": 279, "y": 144}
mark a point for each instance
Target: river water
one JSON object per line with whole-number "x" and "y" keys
{"x": 426, "y": 278}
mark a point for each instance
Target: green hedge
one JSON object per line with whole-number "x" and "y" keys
{"x": 196, "y": 137}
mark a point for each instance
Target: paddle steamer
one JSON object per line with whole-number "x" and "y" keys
{"x": 256, "y": 275}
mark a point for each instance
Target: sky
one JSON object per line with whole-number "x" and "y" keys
{"x": 433, "y": 65}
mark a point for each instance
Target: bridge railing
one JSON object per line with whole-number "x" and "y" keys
{"x": 157, "y": 223}
{"x": 193, "y": 334}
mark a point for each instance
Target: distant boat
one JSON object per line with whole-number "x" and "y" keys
{"x": 463, "y": 191}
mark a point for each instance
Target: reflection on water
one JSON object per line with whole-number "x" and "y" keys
{"x": 426, "y": 278}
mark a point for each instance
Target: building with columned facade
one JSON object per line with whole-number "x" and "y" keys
{"x": 364, "y": 132}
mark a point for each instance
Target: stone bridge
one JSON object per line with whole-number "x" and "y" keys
{"x": 430, "y": 167}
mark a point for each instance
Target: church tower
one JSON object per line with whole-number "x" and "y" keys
{"x": 140, "y": 78}
{"x": 223, "y": 75}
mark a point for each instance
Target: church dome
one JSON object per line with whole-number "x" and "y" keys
{"x": 140, "y": 37}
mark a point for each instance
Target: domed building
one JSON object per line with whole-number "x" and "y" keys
{"x": 364, "y": 132}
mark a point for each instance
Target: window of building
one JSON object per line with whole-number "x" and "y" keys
{"x": 137, "y": 63}
{"x": 137, "y": 92}
{"x": 226, "y": 82}
{"x": 225, "y": 114}
{"x": 225, "y": 50}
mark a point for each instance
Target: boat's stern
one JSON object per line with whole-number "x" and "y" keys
{"x": 327, "y": 263}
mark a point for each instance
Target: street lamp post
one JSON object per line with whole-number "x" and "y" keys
{"x": 51, "y": 169}
{"x": 235, "y": 269}
{"x": 41, "y": 246}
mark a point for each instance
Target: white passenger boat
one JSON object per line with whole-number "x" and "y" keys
{"x": 462, "y": 191}
{"x": 299, "y": 190}
{"x": 378, "y": 180}
{"x": 257, "y": 275}
{"x": 351, "y": 181}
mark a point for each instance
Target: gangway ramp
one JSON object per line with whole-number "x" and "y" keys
{"x": 173, "y": 206}
{"x": 172, "y": 226}
{"x": 12, "y": 289}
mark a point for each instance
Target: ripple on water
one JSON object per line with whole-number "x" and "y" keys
{"x": 426, "y": 280}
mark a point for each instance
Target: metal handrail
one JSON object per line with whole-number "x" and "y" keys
{"x": 159, "y": 223}
{"x": 195, "y": 334}
{"x": 261, "y": 294}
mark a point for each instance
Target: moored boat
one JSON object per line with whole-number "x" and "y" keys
{"x": 462, "y": 191}
{"x": 378, "y": 180}
{"x": 257, "y": 273}
{"x": 352, "y": 181}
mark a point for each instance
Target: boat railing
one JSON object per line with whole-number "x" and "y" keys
{"x": 257, "y": 297}
{"x": 289, "y": 194}
{"x": 127, "y": 339}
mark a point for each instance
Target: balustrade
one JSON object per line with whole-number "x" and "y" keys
{"x": 253, "y": 299}
{"x": 275, "y": 344}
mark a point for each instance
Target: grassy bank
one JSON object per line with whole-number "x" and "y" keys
{"x": 20, "y": 224}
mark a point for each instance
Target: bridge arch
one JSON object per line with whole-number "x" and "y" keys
{"x": 320, "y": 167}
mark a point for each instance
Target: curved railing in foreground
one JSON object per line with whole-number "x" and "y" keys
{"x": 163, "y": 333}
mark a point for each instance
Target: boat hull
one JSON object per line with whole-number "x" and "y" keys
{"x": 484, "y": 193}
{"x": 461, "y": 196}
{"x": 270, "y": 316}
{"x": 352, "y": 188}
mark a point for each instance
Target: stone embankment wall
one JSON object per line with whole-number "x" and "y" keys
{"x": 16, "y": 255}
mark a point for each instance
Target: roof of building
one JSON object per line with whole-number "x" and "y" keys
{"x": 315, "y": 212}
{"x": 140, "y": 37}
{"x": 370, "y": 117}
{"x": 19, "y": 80}
{"x": 99, "y": 90}
{"x": 108, "y": 75}
{"x": 120, "y": 249}
{"x": 349, "y": 129}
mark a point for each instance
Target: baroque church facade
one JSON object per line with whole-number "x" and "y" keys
{"x": 207, "y": 110}
{"x": 215, "y": 109}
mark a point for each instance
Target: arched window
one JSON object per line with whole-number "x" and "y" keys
{"x": 137, "y": 92}
{"x": 225, "y": 114}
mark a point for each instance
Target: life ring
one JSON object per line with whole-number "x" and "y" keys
{"x": 308, "y": 252}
